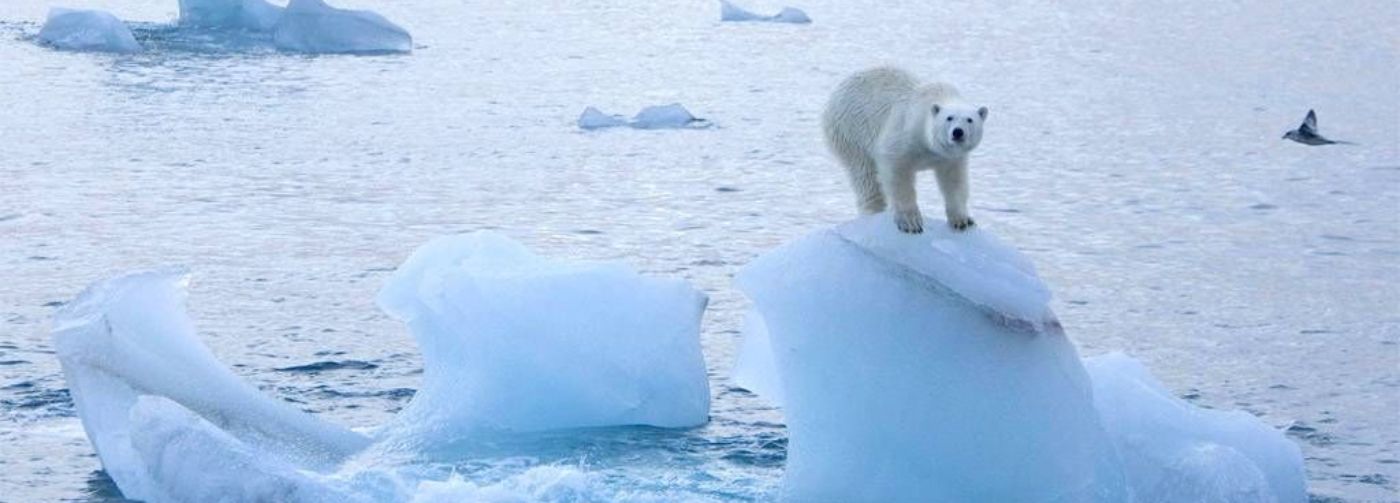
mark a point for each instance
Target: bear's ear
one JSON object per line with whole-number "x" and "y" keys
{"x": 936, "y": 109}
{"x": 983, "y": 112}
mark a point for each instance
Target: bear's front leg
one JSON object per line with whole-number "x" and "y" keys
{"x": 897, "y": 180}
{"x": 952, "y": 182}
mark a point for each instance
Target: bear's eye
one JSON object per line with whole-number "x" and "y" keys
{"x": 969, "y": 121}
{"x": 950, "y": 119}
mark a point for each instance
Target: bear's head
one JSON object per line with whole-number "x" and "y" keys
{"x": 954, "y": 130}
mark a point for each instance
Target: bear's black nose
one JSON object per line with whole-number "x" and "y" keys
{"x": 957, "y": 134}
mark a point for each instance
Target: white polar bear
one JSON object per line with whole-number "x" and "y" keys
{"x": 885, "y": 126}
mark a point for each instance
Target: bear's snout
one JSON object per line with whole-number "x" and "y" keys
{"x": 958, "y": 134}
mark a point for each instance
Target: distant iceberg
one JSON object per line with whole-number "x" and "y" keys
{"x": 87, "y": 30}
{"x": 929, "y": 367}
{"x": 731, "y": 12}
{"x": 254, "y": 15}
{"x": 672, "y": 116}
{"x": 311, "y": 26}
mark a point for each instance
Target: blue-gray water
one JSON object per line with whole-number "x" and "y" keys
{"x": 1132, "y": 151}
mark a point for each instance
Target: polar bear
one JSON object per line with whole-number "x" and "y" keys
{"x": 885, "y": 126}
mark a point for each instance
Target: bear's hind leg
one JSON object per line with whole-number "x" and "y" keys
{"x": 865, "y": 181}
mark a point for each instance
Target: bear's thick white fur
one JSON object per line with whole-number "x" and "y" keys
{"x": 885, "y": 126}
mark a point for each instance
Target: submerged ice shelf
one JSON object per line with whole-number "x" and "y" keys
{"x": 947, "y": 336}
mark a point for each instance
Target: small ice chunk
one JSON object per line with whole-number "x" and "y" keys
{"x": 513, "y": 342}
{"x": 311, "y": 26}
{"x": 667, "y": 117}
{"x": 731, "y": 12}
{"x": 255, "y": 15}
{"x": 673, "y": 116}
{"x": 1175, "y": 451}
{"x": 87, "y": 30}
{"x": 130, "y": 336}
{"x": 593, "y": 118}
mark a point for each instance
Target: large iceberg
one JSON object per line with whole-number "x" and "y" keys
{"x": 87, "y": 30}
{"x": 255, "y": 15}
{"x": 311, "y": 26}
{"x": 129, "y": 336}
{"x": 929, "y": 368}
{"x": 513, "y": 342}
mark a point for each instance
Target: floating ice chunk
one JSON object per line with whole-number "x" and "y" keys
{"x": 189, "y": 458}
{"x": 673, "y": 116}
{"x": 896, "y": 387}
{"x": 87, "y": 30}
{"x": 667, "y": 116}
{"x": 255, "y": 15}
{"x": 311, "y": 26}
{"x": 1175, "y": 451}
{"x": 130, "y": 336}
{"x": 593, "y": 118}
{"x": 513, "y": 342}
{"x": 731, "y": 12}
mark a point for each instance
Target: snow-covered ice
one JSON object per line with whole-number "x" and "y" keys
{"x": 672, "y": 116}
{"x": 311, "y": 26}
{"x": 514, "y": 342}
{"x": 947, "y": 336}
{"x": 129, "y": 336}
{"x": 730, "y": 12}
{"x": 87, "y": 30}
{"x": 255, "y": 15}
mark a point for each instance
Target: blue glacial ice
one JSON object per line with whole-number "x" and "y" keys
{"x": 87, "y": 30}
{"x": 513, "y": 342}
{"x": 949, "y": 338}
{"x": 672, "y": 116}
{"x": 254, "y": 15}
{"x": 731, "y": 12}
{"x": 311, "y": 26}
{"x": 170, "y": 423}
